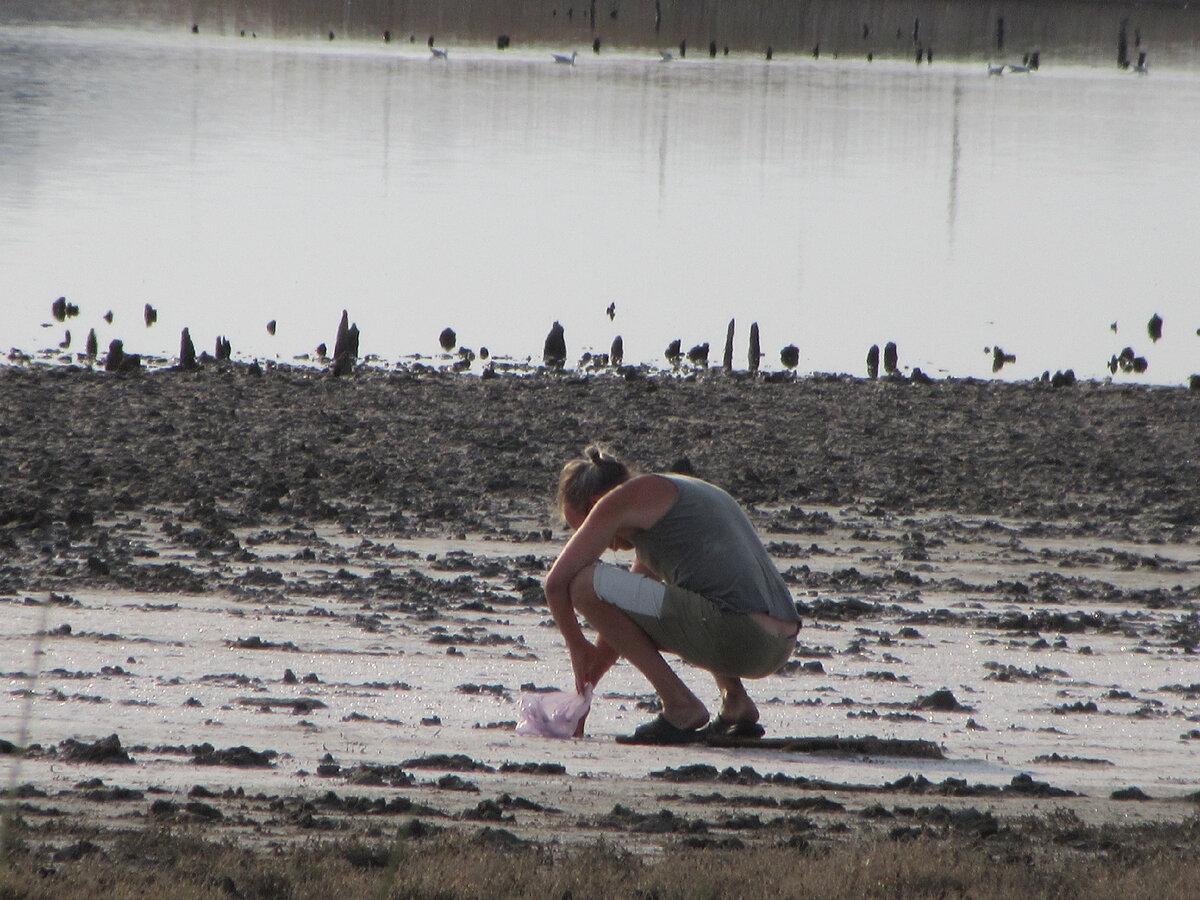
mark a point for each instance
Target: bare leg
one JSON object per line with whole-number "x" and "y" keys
{"x": 681, "y": 707}
{"x": 736, "y": 705}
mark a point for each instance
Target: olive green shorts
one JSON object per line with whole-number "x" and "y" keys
{"x": 697, "y": 629}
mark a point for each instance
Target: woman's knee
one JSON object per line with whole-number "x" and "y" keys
{"x": 583, "y": 590}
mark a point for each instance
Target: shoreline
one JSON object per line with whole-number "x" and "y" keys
{"x": 465, "y": 362}
{"x": 959, "y": 30}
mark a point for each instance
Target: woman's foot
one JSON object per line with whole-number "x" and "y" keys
{"x": 661, "y": 731}
{"x": 720, "y": 727}
{"x": 688, "y": 718}
{"x": 737, "y": 709}
{"x": 738, "y": 715}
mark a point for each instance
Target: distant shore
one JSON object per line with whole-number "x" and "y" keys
{"x": 1094, "y": 31}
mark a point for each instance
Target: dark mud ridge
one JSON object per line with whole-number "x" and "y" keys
{"x": 401, "y": 454}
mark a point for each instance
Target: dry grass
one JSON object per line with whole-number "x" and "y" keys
{"x": 1055, "y": 856}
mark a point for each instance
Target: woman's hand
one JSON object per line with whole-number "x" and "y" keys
{"x": 590, "y": 662}
{"x": 590, "y": 665}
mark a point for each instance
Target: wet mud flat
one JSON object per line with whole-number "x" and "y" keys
{"x": 280, "y": 606}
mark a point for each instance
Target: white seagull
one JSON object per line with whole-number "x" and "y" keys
{"x": 666, "y": 55}
{"x": 564, "y": 59}
{"x": 438, "y": 53}
{"x": 996, "y": 70}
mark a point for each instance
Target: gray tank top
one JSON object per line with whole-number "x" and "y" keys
{"x": 706, "y": 543}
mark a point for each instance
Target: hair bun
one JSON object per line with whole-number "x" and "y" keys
{"x": 583, "y": 480}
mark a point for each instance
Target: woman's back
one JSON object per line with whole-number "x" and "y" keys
{"x": 706, "y": 543}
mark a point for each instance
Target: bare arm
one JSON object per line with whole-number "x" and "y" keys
{"x": 612, "y": 522}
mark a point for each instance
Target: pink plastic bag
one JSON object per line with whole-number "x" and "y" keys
{"x": 554, "y": 714}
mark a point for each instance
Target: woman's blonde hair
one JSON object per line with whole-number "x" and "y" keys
{"x": 598, "y": 472}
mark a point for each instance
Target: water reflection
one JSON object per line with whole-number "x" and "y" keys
{"x": 955, "y": 153}
{"x": 235, "y": 182}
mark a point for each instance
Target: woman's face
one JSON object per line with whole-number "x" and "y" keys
{"x": 574, "y": 517}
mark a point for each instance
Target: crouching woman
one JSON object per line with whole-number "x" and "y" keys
{"x": 702, "y": 587}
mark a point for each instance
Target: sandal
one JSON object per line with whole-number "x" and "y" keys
{"x": 723, "y": 728}
{"x": 660, "y": 731}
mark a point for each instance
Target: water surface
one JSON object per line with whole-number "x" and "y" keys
{"x": 836, "y": 202}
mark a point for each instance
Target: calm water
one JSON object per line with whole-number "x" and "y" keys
{"x": 836, "y": 202}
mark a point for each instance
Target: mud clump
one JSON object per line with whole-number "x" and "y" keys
{"x": 941, "y": 701}
{"x": 452, "y": 762}
{"x": 1130, "y": 793}
{"x": 664, "y": 821}
{"x": 105, "y": 750}
{"x": 239, "y": 757}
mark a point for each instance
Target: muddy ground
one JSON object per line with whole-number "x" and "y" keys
{"x": 278, "y": 604}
